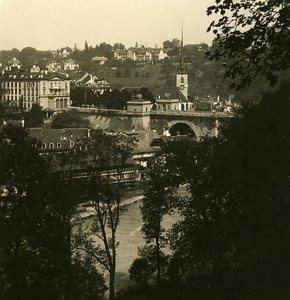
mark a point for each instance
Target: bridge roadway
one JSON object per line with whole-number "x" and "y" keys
{"x": 201, "y": 123}
{"x": 188, "y": 113}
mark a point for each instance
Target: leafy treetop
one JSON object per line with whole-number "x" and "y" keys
{"x": 254, "y": 36}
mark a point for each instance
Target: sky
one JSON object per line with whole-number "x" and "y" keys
{"x": 53, "y": 24}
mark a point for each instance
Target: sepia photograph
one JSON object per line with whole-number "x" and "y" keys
{"x": 145, "y": 150}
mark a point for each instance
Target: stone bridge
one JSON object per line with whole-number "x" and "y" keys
{"x": 197, "y": 124}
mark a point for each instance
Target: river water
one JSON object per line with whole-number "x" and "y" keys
{"x": 130, "y": 237}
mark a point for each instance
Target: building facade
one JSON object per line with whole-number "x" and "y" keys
{"x": 141, "y": 54}
{"x": 22, "y": 89}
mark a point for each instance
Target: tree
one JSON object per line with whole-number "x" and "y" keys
{"x": 167, "y": 67}
{"x": 118, "y": 46}
{"x": 107, "y": 155}
{"x": 157, "y": 202}
{"x": 77, "y": 274}
{"x": 146, "y": 94}
{"x": 105, "y": 50}
{"x": 172, "y": 46}
{"x": 2, "y": 112}
{"x": 234, "y": 233}
{"x": 35, "y": 117}
{"x": 37, "y": 204}
{"x": 254, "y": 36}
{"x": 24, "y": 258}
{"x": 68, "y": 119}
{"x": 127, "y": 73}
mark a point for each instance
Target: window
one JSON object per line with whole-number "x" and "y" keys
{"x": 71, "y": 143}
{"x": 51, "y": 145}
{"x": 182, "y": 79}
{"x": 58, "y": 145}
{"x": 43, "y": 145}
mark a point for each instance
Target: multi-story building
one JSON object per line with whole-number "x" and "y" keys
{"x": 70, "y": 64}
{"x": 141, "y": 54}
{"x": 53, "y": 66}
{"x": 90, "y": 81}
{"x": 24, "y": 88}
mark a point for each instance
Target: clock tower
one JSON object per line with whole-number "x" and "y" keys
{"x": 181, "y": 75}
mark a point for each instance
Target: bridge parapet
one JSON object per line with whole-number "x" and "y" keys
{"x": 213, "y": 115}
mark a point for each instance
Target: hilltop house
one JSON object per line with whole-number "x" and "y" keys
{"x": 87, "y": 80}
{"x": 141, "y": 54}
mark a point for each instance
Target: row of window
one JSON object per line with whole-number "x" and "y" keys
{"x": 33, "y": 84}
{"x": 55, "y": 145}
{"x": 18, "y": 98}
{"x": 164, "y": 107}
{"x": 18, "y": 84}
{"x": 61, "y": 103}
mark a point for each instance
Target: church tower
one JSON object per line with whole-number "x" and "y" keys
{"x": 181, "y": 75}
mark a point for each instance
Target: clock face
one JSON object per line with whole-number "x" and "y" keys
{"x": 182, "y": 87}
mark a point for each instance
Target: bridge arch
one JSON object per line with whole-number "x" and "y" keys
{"x": 183, "y": 128}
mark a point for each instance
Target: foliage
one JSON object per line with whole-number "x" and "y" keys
{"x": 233, "y": 239}
{"x": 68, "y": 119}
{"x": 89, "y": 283}
{"x": 254, "y": 36}
{"x": 107, "y": 155}
{"x": 21, "y": 170}
{"x": 157, "y": 202}
{"x": 115, "y": 99}
{"x": 37, "y": 206}
{"x": 2, "y": 113}
{"x": 172, "y": 46}
{"x": 167, "y": 67}
{"x": 35, "y": 117}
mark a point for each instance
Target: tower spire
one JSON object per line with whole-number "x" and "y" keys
{"x": 181, "y": 63}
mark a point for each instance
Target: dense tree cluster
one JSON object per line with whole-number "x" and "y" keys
{"x": 43, "y": 255}
{"x": 233, "y": 237}
{"x": 115, "y": 99}
{"x": 37, "y": 205}
{"x": 68, "y": 119}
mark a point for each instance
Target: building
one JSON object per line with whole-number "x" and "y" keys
{"x": 168, "y": 99}
{"x": 120, "y": 54}
{"x": 58, "y": 139}
{"x": 141, "y": 54}
{"x": 71, "y": 65}
{"x": 53, "y": 66}
{"x": 90, "y": 81}
{"x": 24, "y": 88}
{"x": 14, "y": 62}
{"x": 99, "y": 59}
